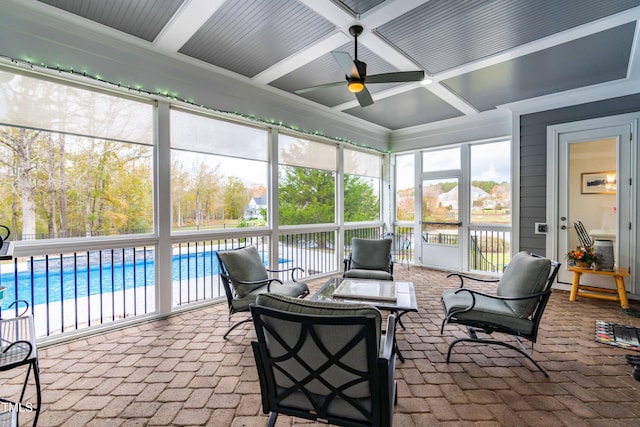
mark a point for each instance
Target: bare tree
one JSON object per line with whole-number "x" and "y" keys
{"x": 21, "y": 144}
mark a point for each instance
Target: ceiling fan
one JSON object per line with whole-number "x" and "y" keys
{"x": 356, "y": 74}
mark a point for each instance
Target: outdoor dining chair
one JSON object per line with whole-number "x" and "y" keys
{"x": 244, "y": 276}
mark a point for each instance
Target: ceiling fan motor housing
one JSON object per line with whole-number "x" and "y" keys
{"x": 356, "y": 30}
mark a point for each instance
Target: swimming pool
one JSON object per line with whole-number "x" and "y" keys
{"x": 57, "y": 279}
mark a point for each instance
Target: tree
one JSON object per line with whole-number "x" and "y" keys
{"x": 306, "y": 196}
{"x": 236, "y": 198}
{"x": 179, "y": 188}
{"x": 405, "y": 204}
{"x": 360, "y": 200}
{"x": 22, "y": 145}
{"x": 206, "y": 191}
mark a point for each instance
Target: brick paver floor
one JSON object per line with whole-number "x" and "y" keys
{"x": 180, "y": 371}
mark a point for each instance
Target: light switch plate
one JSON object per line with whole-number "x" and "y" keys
{"x": 541, "y": 228}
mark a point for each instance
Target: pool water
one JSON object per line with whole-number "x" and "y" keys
{"x": 79, "y": 279}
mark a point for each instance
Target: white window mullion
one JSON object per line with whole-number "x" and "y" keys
{"x": 164, "y": 251}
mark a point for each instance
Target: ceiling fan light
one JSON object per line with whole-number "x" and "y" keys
{"x": 355, "y": 86}
{"x": 426, "y": 81}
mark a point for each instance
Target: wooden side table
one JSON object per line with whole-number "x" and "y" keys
{"x": 618, "y": 294}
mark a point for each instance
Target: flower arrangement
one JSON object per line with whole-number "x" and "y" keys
{"x": 582, "y": 257}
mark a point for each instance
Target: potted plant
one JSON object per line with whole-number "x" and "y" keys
{"x": 582, "y": 257}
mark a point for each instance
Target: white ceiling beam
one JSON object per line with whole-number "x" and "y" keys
{"x": 545, "y": 43}
{"x": 348, "y": 104}
{"x": 582, "y": 95}
{"x": 435, "y": 88}
{"x": 566, "y": 36}
{"x": 451, "y": 98}
{"x": 633, "y": 72}
{"x": 329, "y": 11}
{"x": 396, "y": 90}
{"x": 388, "y": 11}
{"x": 301, "y": 58}
{"x": 377, "y": 45}
{"x": 186, "y": 21}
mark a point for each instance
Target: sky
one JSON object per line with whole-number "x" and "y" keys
{"x": 490, "y": 162}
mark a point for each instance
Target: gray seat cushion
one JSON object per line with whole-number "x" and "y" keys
{"x": 525, "y": 275}
{"x": 244, "y": 265}
{"x": 290, "y": 289}
{"x": 359, "y": 273}
{"x": 486, "y": 309}
{"x": 370, "y": 254}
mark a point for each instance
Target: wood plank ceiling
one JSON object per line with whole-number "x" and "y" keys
{"x": 478, "y": 54}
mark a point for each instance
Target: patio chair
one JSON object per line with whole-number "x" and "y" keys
{"x": 516, "y": 309}
{"x": 323, "y": 361}
{"x": 244, "y": 276}
{"x": 369, "y": 259}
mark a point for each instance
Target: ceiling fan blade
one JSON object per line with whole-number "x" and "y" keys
{"x": 364, "y": 97}
{"x": 397, "y": 77}
{"x": 323, "y": 86}
{"x": 346, "y": 64}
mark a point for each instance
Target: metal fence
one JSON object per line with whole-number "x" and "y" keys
{"x": 195, "y": 270}
{"x": 489, "y": 249}
{"x": 71, "y": 291}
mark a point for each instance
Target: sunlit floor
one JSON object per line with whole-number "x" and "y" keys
{"x": 180, "y": 371}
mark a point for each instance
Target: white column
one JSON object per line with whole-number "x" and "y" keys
{"x": 164, "y": 251}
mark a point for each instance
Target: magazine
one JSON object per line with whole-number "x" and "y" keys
{"x": 377, "y": 290}
{"x": 626, "y": 335}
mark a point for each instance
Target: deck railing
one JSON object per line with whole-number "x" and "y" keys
{"x": 75, "y": 291}
{"x": 315, "y": 252}
{"x": 71, "y": 291}
{"x": 195, "y": 268}
{"x": 489, "y": 248}
{"x": 489, "y": 245}
{"x": 403, "y": 244}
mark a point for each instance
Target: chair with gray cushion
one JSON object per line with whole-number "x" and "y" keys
{"x": 516, "y": 309}
{"x": 244, "y": 276}
{"x": 369, "y": 259}
{"x": 324, "y": 361}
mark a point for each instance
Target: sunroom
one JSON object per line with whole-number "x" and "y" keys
{"x": 137, "y": 143}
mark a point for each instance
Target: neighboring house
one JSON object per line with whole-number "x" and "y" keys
{"x": 450, "y": 198}
{"x": 255, "y": 206}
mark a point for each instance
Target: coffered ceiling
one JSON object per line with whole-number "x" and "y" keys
{"x": 478, "y": 54}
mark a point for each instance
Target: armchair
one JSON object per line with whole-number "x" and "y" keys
{"x": 322, "y": 361}
{"x": 516, "y": 309}
{"x": 369, "y": 259}
{"x": 244, "y": 276}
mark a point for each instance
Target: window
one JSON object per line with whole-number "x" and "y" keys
{"x": 491, "y": 183}
{"x": 362, "y": 182}
{"x": 441, "y": 160}
{"x": 306, "y": 181}
{"x": 74, "y": 162}
{"x": 219, "y": 173}
{"x": 405, "y": 187}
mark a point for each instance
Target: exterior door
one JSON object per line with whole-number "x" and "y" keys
{"x": 594, "y": 187}
{"x": 440, "y": 223}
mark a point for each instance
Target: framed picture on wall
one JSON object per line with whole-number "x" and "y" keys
{"x": 599, "y": 182}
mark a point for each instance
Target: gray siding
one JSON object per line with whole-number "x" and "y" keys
{"x": 533, "y": 159}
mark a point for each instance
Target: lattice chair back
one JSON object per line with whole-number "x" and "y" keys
{"x": 324, "y": 361}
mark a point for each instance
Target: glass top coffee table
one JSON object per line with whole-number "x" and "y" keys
{"x": 405, "y": 301}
